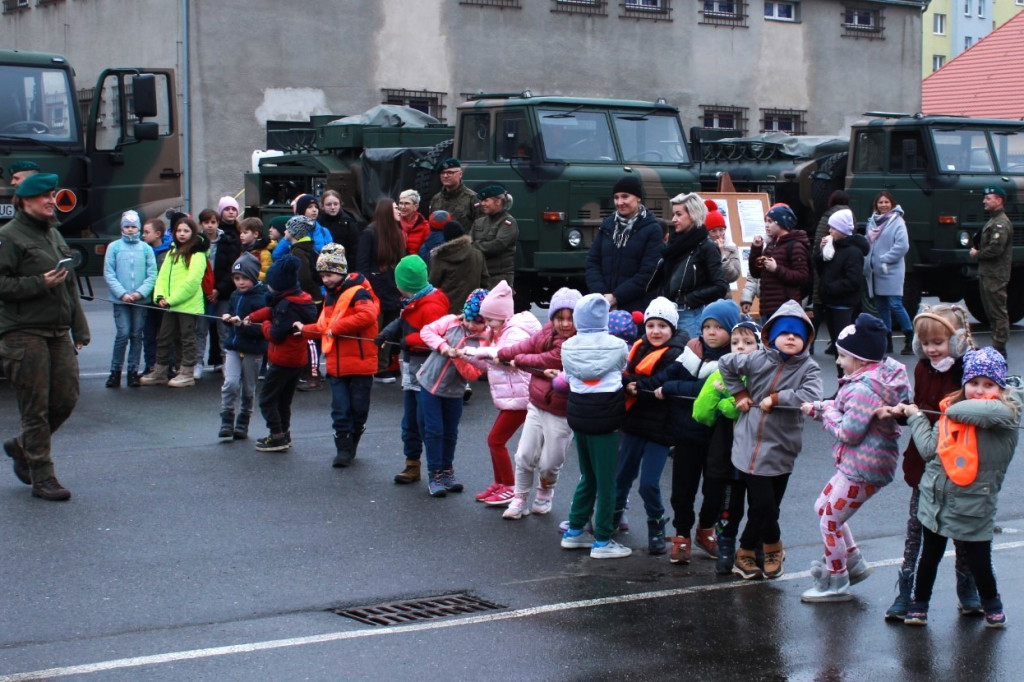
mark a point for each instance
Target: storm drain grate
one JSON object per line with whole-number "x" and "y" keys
{"x": 416, "y": 610}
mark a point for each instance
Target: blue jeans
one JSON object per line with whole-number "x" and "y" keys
{"x": 412, "y": 425}
{"x": 350, "y": 402}
{"x": 892, "y": 306}
{"x": 639, "y": 455}
{"x": 440, "y": 429}
{"x": 130, "y": 323}
{"x": 690, "y": 321}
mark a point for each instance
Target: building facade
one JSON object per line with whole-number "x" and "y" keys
{"x": 952, "y": 26}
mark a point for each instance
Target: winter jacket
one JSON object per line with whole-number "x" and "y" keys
{"x": 308, "y": 280}
{"x": 649, "y": 417}
{"x": 867, "y": 449}
{"x": 460, "y": 202}
{"x": 346, "y": 330}
{"x": 405, "y": 329}
{"x": 320, "y": 236}
{"x": 682, "y": 381}
{"x": 416, "y": 232}
{"x": 440, "y": 375}
{"x": 383, "y": 282}
{"x": 510, "y": 387}
{"x": 930, "y": 387}
{"x": 884, "y": 268}
{"x": 995, "y": 247}
{"x": 767, "y": 443}
{"x": 496, "y": 236}
{"x": 791, "y": 274}
{"x": 625, "y": 272}
{"x": 730, "y": 263}
{"x": 433, "y": 240}
{"x": 229, "y": 248}
{"x": 541, "y": 351}
{"x": 246, "y": 339}
{"x": 820, "y": 232}
{"x": 713, "y": 402}
{"x": 181, "y": 284}
{"x": 278, "y": 319}
{"x": 842, "y": 278}
{"x": 160, "y": 252}
{"x": 262, "y": 251}
{"x": 593, "y": 366}
{"x": 456, "y": 268}
{"x": 966, "y": 512}
{"x": 345, "y": 230}
{"x": 130, "y": 269}
{"x": 693, "y": 269}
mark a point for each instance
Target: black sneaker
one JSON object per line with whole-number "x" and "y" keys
{"x": 14, "y": 450}
{"x": 272, "y": 443}
{"x": 51, "y": 489}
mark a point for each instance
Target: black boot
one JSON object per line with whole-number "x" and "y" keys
{"x": 655, "y": 536}
{"x": 908, "y": 343}
{"x": 343, "y": 444}
{"x": 227, "y": 423}
{"x": 134, "y": 380}
{"x": 356, "y": 437}
{"x": 114, "y": 380}
{"x": 888, "y": 343}
{"x": 241, "y": 431}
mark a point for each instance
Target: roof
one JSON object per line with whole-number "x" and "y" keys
{"x": 577, "y": 102}
{"x": 985, "y": 81}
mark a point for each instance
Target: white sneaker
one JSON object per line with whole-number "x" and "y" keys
{"x": 542, "y": 502}
{"x": 198, "y": 373}
{"x": 582, "y": 541}
{"x": 612, "y": 550}
{"x": 516, "y": 508}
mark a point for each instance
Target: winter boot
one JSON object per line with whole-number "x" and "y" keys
{"x": 828, "y": 587}
{"x": 726, "y": 555}
{"x": 774, "y": 555}
{"x": 857, "y": 567}
{"x": 908, "y": 342}
{"x": 343, "y": 444}
{"x": 905, "y": 585}
{"x": 745, "y": 565}
{"x": 227, "y": 425}
{"x": 967, "y": 594}
{"x": 705, "y": 539}
{"x": 681, "y": 549}
{"x": 356, "y": 437}
{"x": 185, "y": 378}
{"x": 656, "y": 536}
{"x": 114, "y": 380}
{"x": 134, "y": 380}
{"x": 411, "y": 472}
{"x": 156, "y": 377}
{"x": 241, "y": 430}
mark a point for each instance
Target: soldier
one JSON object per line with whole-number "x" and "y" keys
{"x": 455, "y": 197}
{"x": 495, "y": 234}
{"x": 994, "y": 250}
{"x": 20, "y": 170}
{"x": 42, "y": 326}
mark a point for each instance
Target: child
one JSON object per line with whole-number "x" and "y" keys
{"x": 767, "y": 440}
{"x": 866, "y": 451}
{"x": 683, "y": 379}
{"x": 594, "y": 361}
{"x": 213, "y": 242}
{"x": 714, "y": 407}
{"x": 286, "y": 352}
{"x": 277, "y": 246}
{"x": 154, "y": 233}
{"x": 296, "y": 233}
{"x": 250, "y": 234}
{"x": 346, "y": 328}
{"x": 179, "y": 289}
{"x": 129, "y": 268}
{"x": 941, "y": 337}
{"x": 442, "y": 380}
{"x": 510, "y": 387}
{"x": 546, "y": 434}
{"x": 647, "y": 430}
{"x": 244, "y": 348}
{"x": 966, "y": 453}
{"x": 422, "y": 303}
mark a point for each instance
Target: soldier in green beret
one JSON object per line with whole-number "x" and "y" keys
{"x": 495, "y": 233}
{"x": 993, "y": 247}
{"x": 20, "y": 170}
{"x": 42, "y": 326}
{"x": 454, "y": 197}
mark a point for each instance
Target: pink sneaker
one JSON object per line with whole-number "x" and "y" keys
{"x": 517, "y": 509}
{"x": 493, "y": 488}
{"x": 542, "y": 502}
{"x": 501, "y": 497}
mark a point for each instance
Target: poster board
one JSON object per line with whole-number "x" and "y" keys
{"x": 744, "y": 219}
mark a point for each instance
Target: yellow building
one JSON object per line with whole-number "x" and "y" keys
{"x": 936, "y": 43}
{"x": 951, "y": 26}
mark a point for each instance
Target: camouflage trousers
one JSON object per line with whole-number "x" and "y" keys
{"x": 44, "y": 373}
{"x": 993, "y": 299}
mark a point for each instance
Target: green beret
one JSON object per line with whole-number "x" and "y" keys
{"x": 451, "y": 162}
{"x": 36, "y": 185}
{"x": 21, "y": 166}
{"x": 279, "y": 222}
{"x": 995, "y": 189}
{"x": 490, "y": 191}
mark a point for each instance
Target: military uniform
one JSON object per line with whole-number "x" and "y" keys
{"x": 496, "y": 236}
{"x": 460, "y": 202}
{"x": 995, "y": 258}
{"x": 39, "y": 328}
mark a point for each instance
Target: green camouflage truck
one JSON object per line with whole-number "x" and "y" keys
{"x": 559, "y": 157}
{"x": 121, "y": 153}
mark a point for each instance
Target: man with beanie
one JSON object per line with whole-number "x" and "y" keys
{"x": 840, "y": 265}
{"x": 993, "y": 249}
{"x": 244, "y": 348}
{"x": 626, "y": 250}
{"x": 781, "y": 264}
{"x": 495, "y": 234}
{"x": 456, "y": 267}
{"x": 455, "y": 198}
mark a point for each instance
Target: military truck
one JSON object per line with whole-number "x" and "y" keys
{"x": 559, "y": 157}
{"x": 121, "y": 153}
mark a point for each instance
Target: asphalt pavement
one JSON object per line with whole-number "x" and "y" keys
{"x": 181, "y": 557}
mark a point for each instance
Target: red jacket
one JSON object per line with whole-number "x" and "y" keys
{"x": 930, "y": 387}
{"x": 286, "y": 349}
{"x": 346, "y": 329}
{"x": 541, "y": 351}
{"x": 415, "y": 233}
{"x": 419, "y": 314}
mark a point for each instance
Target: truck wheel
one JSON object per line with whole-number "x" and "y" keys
{"x": 833, "y": 166}
{"x": 427, "y": 182}
{"x": 912, "y": 295}
{"x": 972, "y": 299}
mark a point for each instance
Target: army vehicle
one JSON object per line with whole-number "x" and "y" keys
{"x": 559, "y": 157}
{"x": 122, "y": 152}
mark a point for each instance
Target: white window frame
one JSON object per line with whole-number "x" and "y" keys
{"x": 981, "y": 9}
{"x": 718, "y": 12}
{"x": 939, "y": 24}
{"x": 857, "y": 13}
{"x": 938, "y": 61}
{"x": 968, "y": 42}
{"x": 645, "y": 4}
{"x": 967, "y": 8}
{"x": 773, "y": 7}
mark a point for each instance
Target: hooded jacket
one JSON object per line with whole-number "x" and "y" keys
{"x": 510, "y": 387}
{"x": 594, "y": 361}
{"x": 842, "y": 278}
{"x": 456, "y": 268}
{"x": 130, "y": 269}
{"x": 180, "y": 283}
{"x": 884, "y": 268}
{"x": 541, "y": 351}
{"x": 440, "y": 375}
{"x": 229, "y": 248}
{"x": 791, "y": 274}
{"x": 625, "y": 272}
{"x": 346, "y": 334}
{"x": 278, "y": 318}
{"x": 308, "y": 280}
{"x": 246, "y": 339}
{"x": 416, "y": 232}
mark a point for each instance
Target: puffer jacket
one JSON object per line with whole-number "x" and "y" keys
{"x": 181, "y": 284}
{"x": 625, "y": 273}
{"x": 510, "y": 387}
{"x": 241, "y": 338}
{"x": 967, "y": 512}
{"x": 842, "y": 278}
{"x": 229, "y": 248}
{"x": 650, "y": 417}
{"x": 684, "y": 379}
{"x": 541, "y": 351}
{"x": 767, "y": 443}
{"x": 820, "y": 232}
{"x": 866, "y": 449}
{"x": 456, "y": 268}
{"x": 278, "y": 318}
{"x": 130, "y": 269}
{"x": 791, "y": 274}
{"x": 884, "y": 268}
{"x": 440, "y": 375}
{"x": 416, "y": 232}
{"x": 593, "y": 366}
{"x": 346, "y": 333}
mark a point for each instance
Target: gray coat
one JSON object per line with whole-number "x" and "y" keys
{"x": 884, "y": 268}
{"x": 966, "y": 512}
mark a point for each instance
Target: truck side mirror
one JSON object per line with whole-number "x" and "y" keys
{"x": 910, "y": 155}
{"x": 146, "y": 131}
{"x": 509, "y": 138}
{"x": 144, "y": 96}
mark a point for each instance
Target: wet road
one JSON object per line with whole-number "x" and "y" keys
{"x": 183, "y": 558}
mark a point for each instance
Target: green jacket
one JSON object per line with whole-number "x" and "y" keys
{"x": 181, "y": 285}
{"x": 966, "y": 512}
{"x": 995, "y": 248}
{"x": 461, "y": 203}
{"x": 496, "y": 237}
{"x": 28, "y": 249}
{"x": 712, "y": 402}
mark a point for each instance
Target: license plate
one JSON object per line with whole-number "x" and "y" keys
{"x": 6, "y": 211}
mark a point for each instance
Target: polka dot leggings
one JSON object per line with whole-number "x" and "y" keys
{"x": 840, "y": 499}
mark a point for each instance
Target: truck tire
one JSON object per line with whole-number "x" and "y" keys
{"x": 427, "y": 182}
{"x": 1014, "y": 299}
{"x": 912, "y": 294}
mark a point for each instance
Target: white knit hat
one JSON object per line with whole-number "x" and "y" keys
{"x": 662, "y": 309}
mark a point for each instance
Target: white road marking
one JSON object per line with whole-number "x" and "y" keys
{"x": 250, "y": 647}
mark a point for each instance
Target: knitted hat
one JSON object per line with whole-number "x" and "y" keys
{"x": 174, "y": 217}
{"x": 630, "y": 184}
{"x": 985, "y": 362}
{"x": 591, "y": 314}
{"x": 471, "y": 309}
{"x": 787, "y": 324}
{"x": 279, "y": 222}
{"x": 662, "y": 309}
{"x": 450, "y": 162}
{"x": 299, "y": 226}
{"x": 411, "y": 274}
{"x": 783, "y": 215}
{"x": 452, "y": 230}
{"x": 490, "y": 191}
{"x": 438, "y": 219}
{"x": 283, "y": 275}
{"x": 498, "y": 303}
{"x": 22, "y": 166}
{"x": 714, "y": 219}
{"x": 303, "y": 201}
{"x": 864, "y": 339}
{"x": 130, "y": 219}
{"x": 36, "y": 185}
{"x": 248, "y": 266}
{"x": 332, "y": 259}
{"x": 842, "y": 221}
{"x": 723, "y": 311}
{"x": 753, "y": 327}
{"x": 622, "y": 324}
{"x": 226, "y": 202}
{"x": 564, "y": 298}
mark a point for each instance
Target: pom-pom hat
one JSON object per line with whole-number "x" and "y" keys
{"x": 865, "y": 339}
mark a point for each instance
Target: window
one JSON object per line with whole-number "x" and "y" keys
{"x": 473, "y": 137}
{"x": 939, "y": 24}
{"x": 781, "y": 11}
{"x": 981, "y": 9}
{"x": 723, "y": 13}
{"x": 968, "y": 41}
{"x": 580, "y": 7}
{"x": 869, "y": 151}
{"x": 861, "y": 21}
{"x": 1009, "y": 146}
{"x": 427, "y": 101}
{"x": 655, "y": 10}
{"x": 962, "y": 151}
{"x": 783, "y": 121}
{"x": 500, "y": 4}
{"x": 967, "y": 8}
{"x": 906, "y": 152}
{"x": 14, "y": 5}
{"x": 514, "y": 139}
{"x": 724, "y": 117}
{"x": 570, "y": 135}
{"x": 650, "y": 138}
{"x": 938, "y": 61}
{"x": 1019, "y": 3}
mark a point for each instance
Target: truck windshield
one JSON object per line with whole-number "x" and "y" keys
{"x": 37, "y": 104}
{"x": 970, "y": 151}
{"x": 576, "y": 135}
{"x": 650, "y": 139}
{"x": 1009, "y": 146}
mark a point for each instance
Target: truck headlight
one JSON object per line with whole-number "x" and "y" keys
{"x": 964, "y": 238}
{"x": 575, "y": 238}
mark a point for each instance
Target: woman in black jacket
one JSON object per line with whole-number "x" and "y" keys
{"x": 381, "y": 246}
{"x": 840, "y": 263}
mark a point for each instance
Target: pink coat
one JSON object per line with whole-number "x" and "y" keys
{"x": 541, "y": 351}
{"x": 510, "y": 387}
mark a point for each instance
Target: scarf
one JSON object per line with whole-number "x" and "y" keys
{"x": 681, "y": 243}
{"x": 957, "y": 447}
{"x": 429, "y": 289}
{"x": 878, "y": 223}
{"x": 624, "y": 227}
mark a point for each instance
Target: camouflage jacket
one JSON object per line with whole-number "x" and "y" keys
{"x": 496, "y": 236}
{"x": 995, "y": 247}
{"x": 460, "y": 203}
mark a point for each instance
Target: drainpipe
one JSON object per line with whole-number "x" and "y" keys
{"x": 186, "y": 86}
